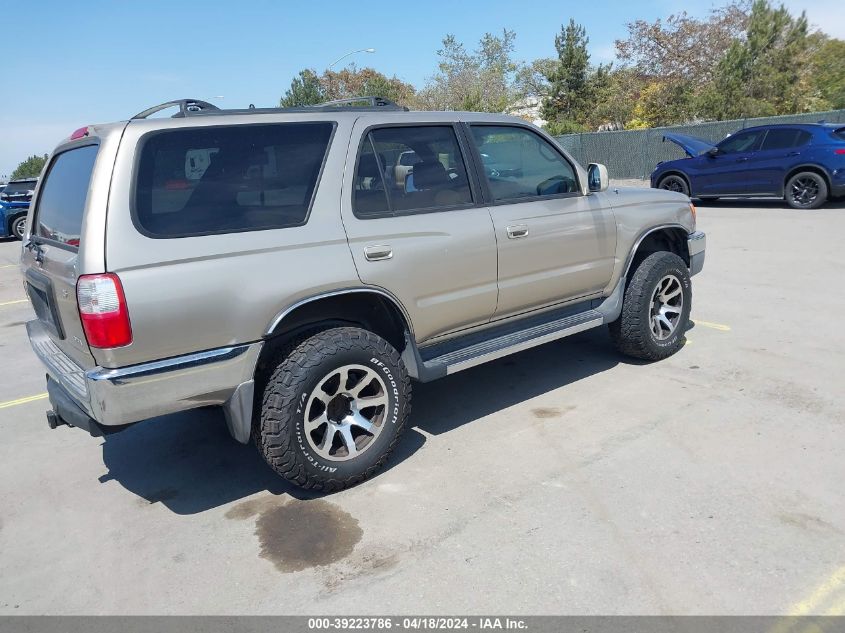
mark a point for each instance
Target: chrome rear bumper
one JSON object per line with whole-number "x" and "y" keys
{"x": 115, "y": 397}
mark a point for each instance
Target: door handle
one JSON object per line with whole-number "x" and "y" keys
{"x": 517, "y": 230}
{"x": 794, "y": 154}
{"x": 378, "y": 253}
{"x": 741, "y": 160}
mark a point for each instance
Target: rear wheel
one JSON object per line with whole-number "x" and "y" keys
{"x": 674, "y": 183}
{"x": 806, "y": 190}
{"x": 333, "y": 409}
{"x": 655, "y": 310}
{"x": 18, "y": 227}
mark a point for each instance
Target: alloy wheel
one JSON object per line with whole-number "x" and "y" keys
{"x": 346, "y": 412}
{"x": 667, "y": 304}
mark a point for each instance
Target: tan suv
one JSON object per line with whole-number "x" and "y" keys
{"x": 263, "y": 261}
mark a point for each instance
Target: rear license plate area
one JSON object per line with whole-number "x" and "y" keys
{"x": 40, "y": 290}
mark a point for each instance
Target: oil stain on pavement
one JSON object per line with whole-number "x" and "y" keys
{"x": 297, "y": 534}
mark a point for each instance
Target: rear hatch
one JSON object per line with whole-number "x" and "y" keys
{"x": 65, "y": 239}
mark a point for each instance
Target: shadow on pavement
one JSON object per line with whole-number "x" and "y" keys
{"x": 763, "y": 203}
{"x": 189, "y": 463}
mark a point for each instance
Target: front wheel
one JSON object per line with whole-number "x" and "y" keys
{"x": 18, "y": 227}
{"x": 333, "y": 409}
{"x": 674, "y": 183}
{"x": 655, "y": 309}
{"x": 807, "y": 190}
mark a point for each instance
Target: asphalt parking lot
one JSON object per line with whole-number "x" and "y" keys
{"x": 565, "y": 479}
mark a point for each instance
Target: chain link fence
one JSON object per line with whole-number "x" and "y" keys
{"x": 634, "y": 153}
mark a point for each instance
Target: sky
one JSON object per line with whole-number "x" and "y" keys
{"x": 68, "y": 64}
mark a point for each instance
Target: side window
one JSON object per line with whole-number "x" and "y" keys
{"x": 422, "y": 169}
{"x": 741, "y": 142}
{"x": 370, "y": 194}
{"x": 200, "y": 181}
{"x": 521, "y": 164}
{"x": 782, "y": 138}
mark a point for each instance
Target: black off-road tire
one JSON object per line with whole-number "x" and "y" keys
{"x": 673, "y": 182}
{"x": 807, "y": 183}
{"x": 631, "y": 332}
{"x": 279, "y": 429}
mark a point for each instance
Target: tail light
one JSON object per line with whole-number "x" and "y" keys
{"x": 102, "y": 307}
{"x": 840, "y": 152}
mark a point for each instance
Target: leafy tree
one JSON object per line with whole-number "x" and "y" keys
{"x": 366, "y": 82}
{"x": 568, "y": 95}
{"x": 682, "y": 48}
{"x": 30, "y": 168}
{"x": 763, "y": 73}
{"x": 484, "y": 80}
{"x": 305, "y": 90}
{"x": 827, "y": 71}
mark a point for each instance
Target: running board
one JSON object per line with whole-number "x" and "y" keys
{"x": 493, "y": 348}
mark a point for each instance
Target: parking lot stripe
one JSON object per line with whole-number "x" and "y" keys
{"x": 822, "y": 591}
{"x": 713, "y": 326}
{"x": 9, "y": 303}
{"x": 13, "y": 403}
{"x": 8, "y": 266}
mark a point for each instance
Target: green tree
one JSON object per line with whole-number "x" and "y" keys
{"x": 568, "y": 97}
{"x": 827, "y": 71}
{"x": 484, "y": 80}
{"x": 30, "y": 168}
{"x": 763, "y": 73}
{"x": 304, "y": 90}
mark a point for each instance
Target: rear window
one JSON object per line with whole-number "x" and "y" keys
{"x": 202, "y": 181}
{"x": 19, "y": 187}
{"x": 61, "y": 202}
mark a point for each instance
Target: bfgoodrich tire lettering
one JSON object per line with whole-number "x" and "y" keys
{"x": 657, "y": 276}
{"x": 332, "y": 364}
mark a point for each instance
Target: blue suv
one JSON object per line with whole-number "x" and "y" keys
{"x": 802, "y": 163}
{"x": 14, "y": 205}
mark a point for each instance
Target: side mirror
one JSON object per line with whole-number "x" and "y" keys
{"x": 597, "y": 177}
{"x": 713, "y": 151}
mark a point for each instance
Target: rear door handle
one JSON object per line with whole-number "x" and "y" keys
{"x": 517, "y": 230}
{"x": 741, "y": 160}
{"x": 794, "y": 154}
{"x": 378, "y": 253}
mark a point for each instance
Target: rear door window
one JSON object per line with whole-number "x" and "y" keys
{"x": 406, "y": 169}
{"x": 201, "y": 181}
{"x": 61, "y": 203}
{"x": 785, "y": 138}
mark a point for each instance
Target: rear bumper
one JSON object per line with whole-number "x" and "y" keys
{"x": 116, "y": 397}
{"x": 696, "y": 244}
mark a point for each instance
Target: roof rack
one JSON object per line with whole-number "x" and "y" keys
{"x": 194, "y": 107}
{"x": 186, "y": 108}
{"x": 373, "y": 102}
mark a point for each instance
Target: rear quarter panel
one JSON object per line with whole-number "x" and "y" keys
{"x": 196, "y": 293}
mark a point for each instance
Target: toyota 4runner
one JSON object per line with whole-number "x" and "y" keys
{"x": 268, "y": 262}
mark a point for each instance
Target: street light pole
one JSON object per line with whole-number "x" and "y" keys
{"x": 360, "y": 50}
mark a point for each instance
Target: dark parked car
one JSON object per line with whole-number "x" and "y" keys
{"x": 19, "y": 190}
{"x": 802, "y": 163}
{"x": 14, "y": 205}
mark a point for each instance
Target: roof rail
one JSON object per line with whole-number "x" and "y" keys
{"x": 374, "y": 102}
{"x": 186, "y": 107}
